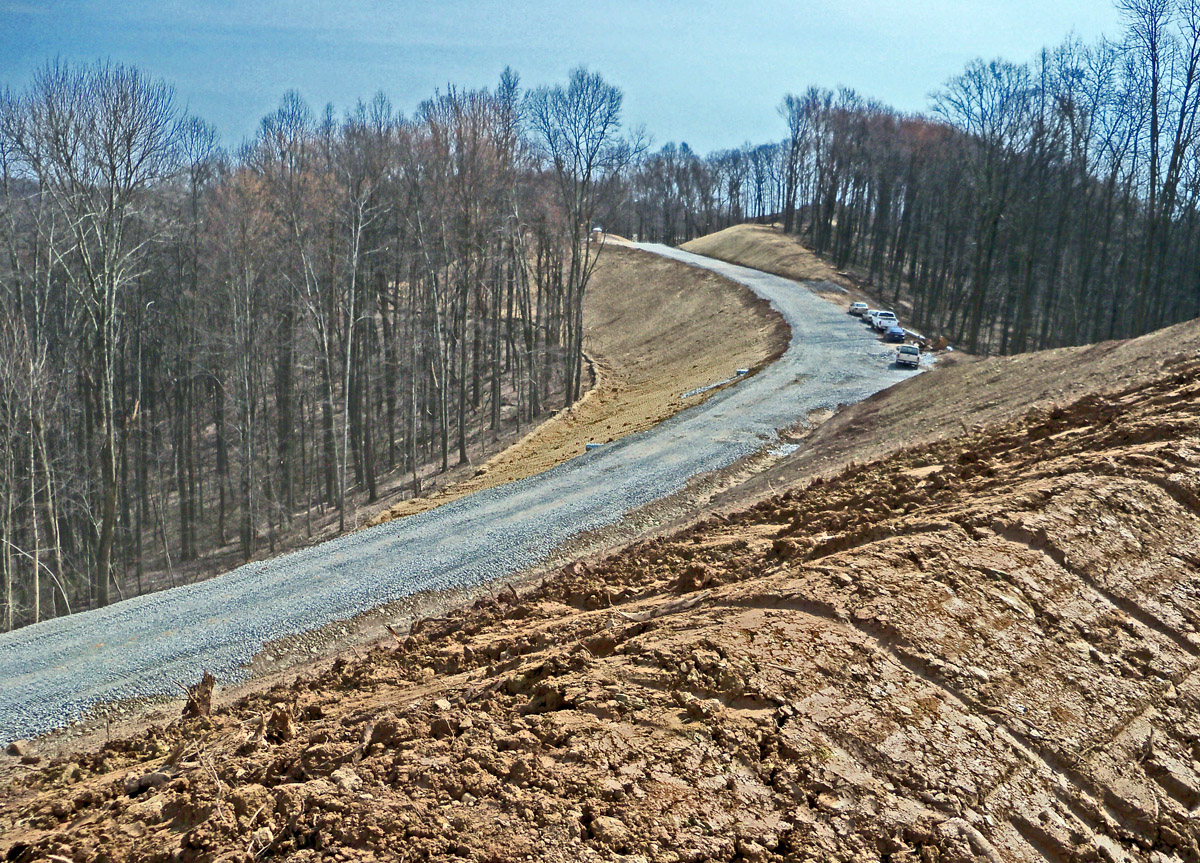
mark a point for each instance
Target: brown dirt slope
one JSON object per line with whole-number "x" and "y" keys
{"x": 765, "y": 248}
{"x": 962, "y": 392}
{"x": 654, "y": 329}
{"x": 980, "y": 648}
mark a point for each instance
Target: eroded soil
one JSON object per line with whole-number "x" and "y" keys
{"x": 980, "y": 647}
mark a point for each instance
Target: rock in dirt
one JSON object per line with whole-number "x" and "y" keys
{"x": 443, "y": 726}
{"x": 609, "y": 831}
{"x": 281, "y": 727}
{"x": 135, "y": 784}
{"x": 346, "y": 779}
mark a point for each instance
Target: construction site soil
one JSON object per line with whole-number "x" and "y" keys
{"x": 962, "y": 633}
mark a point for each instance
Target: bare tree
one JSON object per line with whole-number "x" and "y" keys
{"x": 97, "y": 138}
{"x": 577, "y": 129}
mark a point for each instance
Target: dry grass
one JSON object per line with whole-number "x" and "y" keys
{"x": 766, "y": 248}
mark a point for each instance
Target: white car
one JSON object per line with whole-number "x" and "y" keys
{"x": 908, "y": 355}
{"x": 869, "y": 315}
{"x": 858, "y": 309}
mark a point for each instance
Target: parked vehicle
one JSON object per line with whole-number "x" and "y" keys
{"x": 883, "y": 320}
{"x": 894, "y": 334}
{"x": 858, "y": 309}
{"x": 908, "y": 355}
{"x": 869, "y": 316}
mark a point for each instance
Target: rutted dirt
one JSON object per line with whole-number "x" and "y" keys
{"x": 983, "y": 647}
{"x": 654, "y": 329}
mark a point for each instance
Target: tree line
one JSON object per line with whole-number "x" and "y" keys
{"x": 1037, "y": 204}
{"x": 201, "y": 348}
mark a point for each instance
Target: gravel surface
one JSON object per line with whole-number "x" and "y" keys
{"x": 56, "y": 670}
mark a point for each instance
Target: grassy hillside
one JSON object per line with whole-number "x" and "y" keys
{"x": 763, "y": 247}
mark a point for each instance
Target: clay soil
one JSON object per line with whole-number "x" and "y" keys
{"x": 982, "y": 645}
{"x": 654, "y": 329}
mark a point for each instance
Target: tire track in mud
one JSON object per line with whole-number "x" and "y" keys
{"x": 1039, "y": 543}
{"x": 659, "y": 680}
{"x": 1138, "y": 809}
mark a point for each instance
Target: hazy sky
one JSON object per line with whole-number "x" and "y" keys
{"x": 708, "y": 73}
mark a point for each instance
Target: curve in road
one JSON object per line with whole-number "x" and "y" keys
{"x": 55, "y": 670}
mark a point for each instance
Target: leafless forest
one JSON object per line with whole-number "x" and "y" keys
{"x": 201, "y": 348}
{"x": 1039, "y": 204}
{"x": 206, "y": 350}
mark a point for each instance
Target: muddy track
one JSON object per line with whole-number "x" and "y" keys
{"x": 892, "y": 645}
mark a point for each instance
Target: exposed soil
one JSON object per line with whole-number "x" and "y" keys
{"x": 763, "y": 247}
{"x": 983, "y": 646}
{"x": 654, "y": 330}
{"x": 766, "y": 247}
{"x": 962, "y": 393}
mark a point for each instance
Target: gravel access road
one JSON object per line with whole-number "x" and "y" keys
{"x": 54, "y": 671}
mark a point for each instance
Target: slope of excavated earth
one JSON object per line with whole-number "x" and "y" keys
{"x": 980, "y": 648}
{"x": 768, "y": 248}
{"x": 962, "y": 392}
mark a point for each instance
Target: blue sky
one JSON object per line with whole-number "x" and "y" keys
{"x": 708, "y": 73}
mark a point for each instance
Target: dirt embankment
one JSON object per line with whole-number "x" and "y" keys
{"x": 962, "y": 393}
{"x": 654, "y": 330}
{"x": 766, "y": 248}
{"x": 983, "y": 647}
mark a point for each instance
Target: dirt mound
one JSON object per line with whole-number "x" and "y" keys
{"x": 765, "y": 248}
{"x": 653, "y": 330}
{"x": 982, "y": 647}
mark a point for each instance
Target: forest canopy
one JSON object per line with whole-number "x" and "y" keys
{"x": 1037, "y": 204}
{"x": 200, "y": 347}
